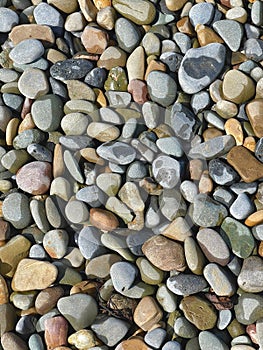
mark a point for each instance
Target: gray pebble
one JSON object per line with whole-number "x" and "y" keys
{"x": 252, "y": 31}
{"x": 76, "y": 212}
{"x": 96, "y": 77}
{"x": 257, "y": 13}
{"x": 13, "y": 101}
{"x": 254, "y": 49}
{"x": 128, "y": 36}
{"x": 155, "y": 338}
{"x": 110, "y": 329}
{"x": 48, "y": 15}
{"x": 224, "y": 318}
{"x": 186, "y": 284}
{"x": 5, "y": 117}
{"x": 40, "y": 63}
{"x": 27, "y": 51}
{"x": 170, "y": 146}
{"x": 16, "y": 210}
{"x": 26, "y": 325}
{"x": 172, "y": 345}
{"x": 8, "y": 75}
{"x": 208, "y": 341}
{"x": 183, "y": 328}
{"x": 129, "y": 128}
{"x": 195, "y": 71}
{"x": 166, "y": 171}
{"x": 200, "y": 101}
{"x": 35, "y": 342}
{"x": 258, "y": 232}
{"x": 58, "y": 88}
{"x": 172, "y": 204}
{"x": 89, "y": 242}
{"x": 40, "y": 326}
{"x": 28, "y": 137}
{"x": 243, "y": 187}
{"x": 37, "y": 252}
{"x": 161, "y": 87}
{"x": 39, "y": 152}
{"x": 201, "y": 13}
{"x": 75, "y": 143}
{"x": 72, "y": 166}
{"x": 249, "y": 308}
{"x": 53, "y": 212}
{"x": 118, "y": 98}
{"x": 172, "y": 60}
{"x": 117, "y": 152}
{"x": 9, "y": 19}
{"x": 214, "y": 119}
{"x": 123, "y": 275}
{"x": 250, "y": 278}
{"x": 151, "y": 113}
{"x": 153, "y": 215}
{"x": 136, "y": 171}
{"x": 23, "y": 301}
{"x": 222, "y": 173}
{"x": 135, "y": 241}
{"x": 55, "y": 243}
{"x": 230, "y": 31}
{"x": 242, "y": 207}
{"x": 219, "y": 280}
{"x": 91, "y": 195}
{"x": 189, "y": 190}
{"x": 183, "y": 41}
{"x": 38, "y": 213}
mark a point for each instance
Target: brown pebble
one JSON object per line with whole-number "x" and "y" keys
{"x": 254, "y": 110}
{"x": 205, "y": 183}
{"x": 250, "y": 143}
{"x": 206, "y": 35}
{"x": 32, "y": 31}
{"x": 55, "y": 56}
{"x": 101, "y": 4}
{"x": 255, "y": 219}
{"x": 11, "y": 341}
{"x": 252, "y": 332}
{"x": 85, "y": 287}
{"x": 177, "y": 230}
{"x": 100, "y": 98}
{"x": 260, "y": 249}
{"x": 4, "y": 294}
{"x": 233, "y": 127}
{"x": 91, "y": 155}
{"x": 94, "y": 40}
{"x": 26, "y": 124}
{"x": 103, "y": 219}
{"x": 175, "y": 5}
{"x": 247, "y": 166}
{"x": 184, "y": 26}
{"x": 147, "y": 313}
{"x": 26, "y": 107}
{"x": 196, "y": 169}
{"x": 154, "y": 65}
{"x": 47, "y": 299}
{"x": 4, "y": 230}
{"x": 34, "y": 177}
{"x": 58, "y": 162}
{"x": 138, "y": 89}
{"x": 56, "y": 332}
{"x": 134, "y": 343}
{"x": 164, "y": 253}
{"x": 11, "y": 130}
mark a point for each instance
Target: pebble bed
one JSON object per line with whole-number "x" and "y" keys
{"x": 131, "y": 168}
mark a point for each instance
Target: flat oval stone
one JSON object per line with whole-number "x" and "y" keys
{"x": 10, "y": 340}
{"x": 71, "y": 69}
{"x": 123, "y": 275}
{"x": 9, "y": 19}
{"x": 250, "y": 277}
{"x": 208, "y": 340}
{"x": 47, "y": 299}
{"x": 213, "y": 246}
{"x": 16, "y": 210}
{"x": 166, "y": 171}
{"x": 28, "y": 137}
{"x": 194, "y": 256}
{"x": 39, "y": 152}
{"x": 117, "y": 152}
{"x": 33, "y": 31}
{"x": 34, "y": 177}
{"x": 47, "y": 112}
{"x": 240, "y": 237}
{"x": 94, "y": 40}
{"x": 237, "y": 86}
{"x": 199, "y": 312}
{"x": 186, "y": 284}
{"x": 208, "y": 212}
{"x": 195, "y": 73}
{"x": 220, "y": 282}
{"x": 89, "y": 242}
{"x": 102, "y": 131}
{"x": 33, "y": 83}
{"x": 48, "y": 15}
{"x": 139, "y": 12}
{"x": 201, "y": 13}
{"x": 249, "y": 308}
{"x": 170, "y": 146}
{"x": 79, "y": 309}
{"x": 55, "y": 243}
{"x": 33, "y": 274}
{"x": 149, "y": 273}
{"x": 127, "y": 34}
{"x": 103, "y": 219}
{"x": 161, "y": 87}
{"x": 27, "y": 51}
{"x": 165, "y": 254}
{"x": 183, "y": 328}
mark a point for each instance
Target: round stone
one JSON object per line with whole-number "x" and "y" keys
{"x": 166, "y": 171}
{"x": 147, "y": 313}
{"x": 201, "y": 13}
{"x": 221, "y": 283}
{"x": 47, "y": 299}
{"x": 48, "y": 15}
{"x": 237, "y": 86}
{"x": 117, "y": 152}
{"x": 208, "y": 340}
{"x": 9, "y": 19}
{"x": 161, "y": 87}
{"x": 250, "y": 277}
{"x": 94, "y": 40}
{"x": 123, "y": 275}
{"x": 47, "y": 112}
{"x": 103, "y": 132}
{"x": 138, "y": 11}
{"x": 76, "y": 211}
{"x": 16, "y": 210}
{"x": 34, "y": 177}
{"x": 55, "y": 243}
{"x": 27, "y": 51}
{"x": 186, "y": 284}
{"x": 33, "y": 83}
{"x": 155, "y": 337}
{"x": 83, "y": 339}
{"x": 249, "y": 308}
{"x": 127, "y": 34}
{"x": 183, "y": 328}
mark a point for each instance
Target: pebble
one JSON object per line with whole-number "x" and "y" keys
{"x": 222, "y": 173}
{"x": 193, "y": 74}
{"x": 96, "y": 77}
{"x": 254, "y": 49}
{"x": 253, "y": 110}
{"x": 9, "y": 19}
{"x": 201, "y": 13}
{"x": 249, "y": 278}
{"x": 213, "y": 246}
{"x": 47, "y": 112}
{"x": 34, "y": 177}
{"x": 71, "y": 69}
{"x": 165, "y": 254}
{"x": 237, "y": 86}
{"x": 35, "y": 341}
{"x": 149, "y": 273}
{"x": 155, "y": 338}
{"x": 83, "y": 339}
{"x": 240, "y": 237}
{"x": 208, "y": 212}
{"x": 103, "y": 132}
{"x": 224, "y": 319}
{"x": 47, "y": 15}
{"x": 117, "y": 152}
{"x": 249, "y": 308}
{"x": 166, "y": 171}
{"x": 79, "y": 309}
{"x": 199, "y": 312}
{"x": 139, "y": 12}
{"x": 35, "y": 275}
{"x": 56, "y": 331}
{"x": 16, "y": 210}
{"x": 230, "y": 31}
{"x": 172, "y": 204}
{"x": 32, "y": 31}
{"x": 10, "y": 340}
{"x": 219, "y": 280}
{"x": 27, "y": 51}
{"x": 183, "y": 328}
{"x": 236, "y": 158}
{"x": 89, "y": 242}
{"x": 147, "y": 313}
{"x": 242, "y": 207}
{"x": 161, "y": 87}
{"x": 186, "y": 284}
{"x": 55, "y": 243}
{"x": 208, "y": 339}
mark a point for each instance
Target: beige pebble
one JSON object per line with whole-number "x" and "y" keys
{"x": 254, "y": 110}
{"x": 233, "y": 127}
{"x": 250, "y": 143}
{"x": 259, "y": 88}
{"x": 91, "y": 155}
{"x": 205, "y": 183}
{"x": 4, "y": 293}
{"x": 55, "y": 56}
{"x": 112, "y": 57}
{"x": 136, "y": 64}
{"x": 11, "y": 130}
{"x": 147, "y": 313}
{"x": 175, "y": 5}
{"x": 154, "y": 65}
{"x": 211, "y": 133}
{"x": 215, "y": 90}
{"x": 75, "y": 22}
{"x": 102, "y": 131}
{"x": 226, "y": 109}
{"x": 196, "y": 169}
{"x": 94, "y": 40}
{"x": 83, "y": 339}
{"x": 33, "y": 274}
{"x": 78, "y": 90}
{"x": 26, "y": 124}
{"x": 106, "y": 18}
{"x": 177, "y": 230}
{"x": 238, "y": 14}
{"x": 100, "y": 97}
{"x": 100, "y": 4}
{"x": 32, "y": 31}
{"x": 88, "y": 9}
{"x": 67, "y": 6}
{"x": 58, "y": 162}
{"x": 237, "y": 86}
{"x": 254, "y": 219}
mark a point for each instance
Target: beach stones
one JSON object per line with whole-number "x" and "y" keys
{"x": 33, "y": 274}
{"x": 186, "y": 284}
{"x": 249, "y": 278}
{"x": 193, "y": 74}
{"x": 71, "y": 69}
{"x": 9, "y": 19}
{"x": 161, "y": 87}
{"x": 230, "y": 31}
{"x": 94, "y": 40}
{"x": 237, "y": 86}
{"x": 249, "y": 308}
{"x": 147, "y": 313}
{"x": 139, "y": 12}
{"x": 117, "y": 152}
{"x": 27, "y": 51}
{"x": 166, "y": 171}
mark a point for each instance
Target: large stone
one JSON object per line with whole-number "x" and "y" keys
{"x": 250, "y": 278}
{"x": 138, "y": 11}
{"x": 249, "y": 308}
{"x": 162, "y": 88}
{"x": 238, "y": 87}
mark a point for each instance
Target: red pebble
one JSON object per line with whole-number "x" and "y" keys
{"x": 138, "y": 89}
